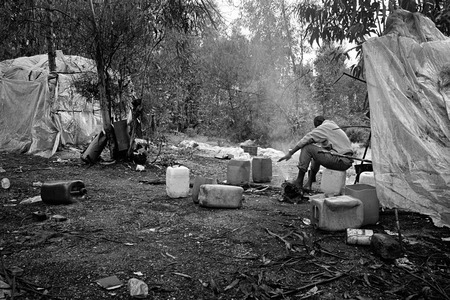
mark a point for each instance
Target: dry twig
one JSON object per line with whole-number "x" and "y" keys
{"x": 436, "y": 287}
{"x": 286, "y": 242}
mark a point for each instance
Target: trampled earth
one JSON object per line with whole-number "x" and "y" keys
{"x": 127, "y": 226}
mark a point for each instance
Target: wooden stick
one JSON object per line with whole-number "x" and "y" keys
{"x": 296, "y": 290}
{"x": 287, "y": 244}
{"x": 397, "y": 222}
{"x": 437, "y": 288}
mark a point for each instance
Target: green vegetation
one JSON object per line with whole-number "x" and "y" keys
{"x": 198, "y": 75}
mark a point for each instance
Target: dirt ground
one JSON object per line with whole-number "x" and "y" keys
{"x": 130, "y": 228}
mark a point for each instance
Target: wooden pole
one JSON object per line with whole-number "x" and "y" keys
{"x": 397, "y": 222}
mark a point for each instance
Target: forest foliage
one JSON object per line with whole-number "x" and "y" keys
{"x": 258, "y": 77}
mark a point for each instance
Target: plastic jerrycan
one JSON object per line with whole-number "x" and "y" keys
{"x": 238, "y": 171}
{"x": 261, "y": 169}
{"x": 62, "y": 192}
{"x": 177, "y": 181}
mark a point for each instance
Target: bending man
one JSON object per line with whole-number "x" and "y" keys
{"x": 332, "y": 140}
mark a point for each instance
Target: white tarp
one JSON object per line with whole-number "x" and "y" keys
{"x": 408, "y": 79}
{"x": 32, "y": 120}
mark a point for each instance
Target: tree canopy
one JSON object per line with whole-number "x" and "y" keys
{"x": 352, "y": 20}
{"x": 190, "y": 72}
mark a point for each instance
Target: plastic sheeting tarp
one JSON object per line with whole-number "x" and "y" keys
{"x": 408, "y": 79}
{"x": 34, "y": 121}
{"x": 24, "y": 112}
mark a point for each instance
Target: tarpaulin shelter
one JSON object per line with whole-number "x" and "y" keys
{"x": 40, "y": 111}
{"x": 408, "y": 79}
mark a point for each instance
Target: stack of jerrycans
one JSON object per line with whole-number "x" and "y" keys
{"x": 333, "y": 211}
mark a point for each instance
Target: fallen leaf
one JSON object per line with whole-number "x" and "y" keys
{"x": 231, "y": 285}
{"x": 366, "y": 279}
{"x": 204, "y": 284}
{"x": 213, "y": 286}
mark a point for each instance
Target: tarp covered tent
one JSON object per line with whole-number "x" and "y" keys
{"x": 408, "y": 79}
{"x": 38, "y": 112}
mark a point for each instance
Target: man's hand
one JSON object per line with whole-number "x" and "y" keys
{"x": 286, "y": 157}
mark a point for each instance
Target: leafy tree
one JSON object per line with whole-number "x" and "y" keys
{"x": 118, "y": 35}
{"x": 331, "y": 20}
{"x": 278, "y": 45}
{"x": 340, "y": 97}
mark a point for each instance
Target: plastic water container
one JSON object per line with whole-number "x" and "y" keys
{"x": 198, "y": 181}
{"x": 177, "y": 182}
{"x": 62, "y": 192}
{"x": 333, "y": 182}
{"x": 336, "y": 213}
{"x": 367, "y": 178}
{"x": 220, "y": 196}
{"x": 238, "y": 171}
{"x": 368, "y": 196}
{"x": 262, "y": 169}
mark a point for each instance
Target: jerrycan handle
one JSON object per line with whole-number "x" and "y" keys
{"x": 77, "y": 188}
{"x": 80, "y": 192}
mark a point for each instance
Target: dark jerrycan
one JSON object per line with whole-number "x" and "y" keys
{"x": 62, "y": 192}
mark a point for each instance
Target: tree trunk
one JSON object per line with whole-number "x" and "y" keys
{"x": 101, "y": 73}
{"x": 50, "y": 38}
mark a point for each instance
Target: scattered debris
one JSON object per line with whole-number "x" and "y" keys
{"x": 59, "y": 218}
{"x": 170, "y": 255}
{"x": 214, "y": 287}
{"x": 39, "y": 216}
{"x": 63, "y": 192}
{"x": 182, "y": 275}
{"x": 386, "y": 246}
{"x": 224, "y": 156}
{"x": 31, "y": 200}
{"x": 2, "y": 170}
{"x": 4, "y": 285}
{"x": 289, "y": 246}
{"x": 137, "y": 288}
{"x": 231, "y": 285}
{"x": 59, "y": 160}
{"x": 5, "y": 183}
{"x": 291, "y": 193}
{"x": 359, "y": 236}
{"x": 204, "y": 284}
{"x": 404, "y": 262}
{"x": 110, "y": 283}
